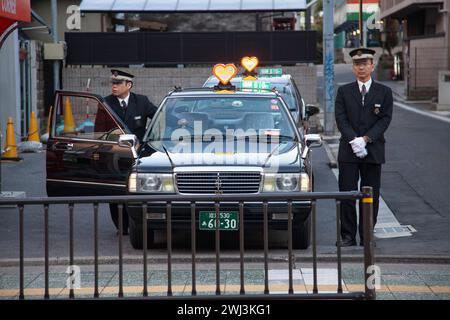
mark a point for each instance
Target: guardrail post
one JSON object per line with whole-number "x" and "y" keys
{"x": 21, "y": 257}
{"x": 367, "y": 212}
{"x": 144, "y": 247}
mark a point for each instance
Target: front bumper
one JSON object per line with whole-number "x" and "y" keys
{"x": 253, "y": 213}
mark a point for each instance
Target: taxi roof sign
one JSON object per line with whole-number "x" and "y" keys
{"x": 270, "y": 72}
{"x": 249, "y": 63}
{"x": 224, "y": 72}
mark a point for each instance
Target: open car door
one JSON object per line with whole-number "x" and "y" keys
{"x": 83, "y": 154}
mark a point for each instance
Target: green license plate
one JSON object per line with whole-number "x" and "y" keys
{"x": 229, "y": 220}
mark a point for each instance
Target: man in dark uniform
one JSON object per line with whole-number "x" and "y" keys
{"x": 363, "y": 112}
{"x": 134, "y": 110}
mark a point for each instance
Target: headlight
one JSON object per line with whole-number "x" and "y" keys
{"x": 150, "y": 182}
{"x": 286, "y": 182}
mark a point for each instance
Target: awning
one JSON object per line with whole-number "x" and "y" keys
{"x": 12, "y": 11}
{"x": 191, "y": 5}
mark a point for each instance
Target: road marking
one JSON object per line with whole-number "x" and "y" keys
{"x": 421, "y": 112}
{"x": 387, "y": 224}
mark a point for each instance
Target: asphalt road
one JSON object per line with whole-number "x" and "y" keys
{"x": 414, "y": 186}
{"x": 415, "y": 177}
{"x": 29, "y": 176}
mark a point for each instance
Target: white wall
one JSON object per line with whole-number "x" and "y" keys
{"x": 10, "y": 84}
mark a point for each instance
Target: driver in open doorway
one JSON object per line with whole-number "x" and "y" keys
{"x": 134, "y": 110}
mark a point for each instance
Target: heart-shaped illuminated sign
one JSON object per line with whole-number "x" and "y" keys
{"x": 249, "y": 63}
{"x": 224, "y": 72}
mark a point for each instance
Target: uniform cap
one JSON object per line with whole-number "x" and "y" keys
{"x": 119, "y": 76}
{"x": 361, "y": 54}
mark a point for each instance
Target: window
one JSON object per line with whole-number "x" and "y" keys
{"x": 85, "y": 118}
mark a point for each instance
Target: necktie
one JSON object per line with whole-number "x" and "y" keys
{"x": 363, "y": 93}
{"x": 124, "y": 107}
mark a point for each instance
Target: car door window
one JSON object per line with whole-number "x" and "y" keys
{"x": 84, "y": 118}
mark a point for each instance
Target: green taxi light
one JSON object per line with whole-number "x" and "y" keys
{"x": 270, "y": 72}
{"x": 255, "y": 85}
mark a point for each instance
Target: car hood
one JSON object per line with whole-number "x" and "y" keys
{"x": 158, "y": 157}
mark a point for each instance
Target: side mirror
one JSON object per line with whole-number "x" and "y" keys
{"x": 311, "y": 110}
{"x": 313, "y": 140}
{"x": 129, "y": 141}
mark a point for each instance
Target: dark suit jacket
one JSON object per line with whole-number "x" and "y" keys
{"x": 355, "y": 120}
{"x": 139, "y": 109}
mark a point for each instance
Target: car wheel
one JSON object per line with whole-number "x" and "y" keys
{"x": 136, "y": 234}
{"x": 301, "y": 234}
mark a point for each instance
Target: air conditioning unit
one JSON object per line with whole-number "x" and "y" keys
{"x": 54, "y": 51}
{"x": 444, "y": 90}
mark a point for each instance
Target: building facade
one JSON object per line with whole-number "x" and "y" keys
{"x": 426, "y": 42}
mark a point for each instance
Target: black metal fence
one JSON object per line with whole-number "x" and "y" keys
{"x": 365, "y": 196}
{"x": 171, "y": 49}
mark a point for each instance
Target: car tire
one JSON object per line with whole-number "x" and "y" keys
{"x": 301, "y": 234}
{"x": 136, "y": 234}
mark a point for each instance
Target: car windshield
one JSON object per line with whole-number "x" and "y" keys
{"x": 230, "y": 116}
{"x": 285, "y": 89}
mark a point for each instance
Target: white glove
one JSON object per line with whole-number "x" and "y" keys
{"x": 359, "y": 141}
{"x": 361, "y": 154}
{"x": 359, "y": 147}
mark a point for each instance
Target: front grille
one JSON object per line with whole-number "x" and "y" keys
{"x": 218, "y": 182}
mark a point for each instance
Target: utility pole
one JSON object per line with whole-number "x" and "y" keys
{"x": 361, "y": 24}
{"x": 328, "y": 65}
{"x": 56, "y": 84}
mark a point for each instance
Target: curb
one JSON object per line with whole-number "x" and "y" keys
{"x": 333, "y": 161}
{"x": 326, "y": 258}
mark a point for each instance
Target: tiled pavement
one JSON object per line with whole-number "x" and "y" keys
{"x": 398, "y": 282}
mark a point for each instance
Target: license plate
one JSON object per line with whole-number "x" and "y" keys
{"x": 229, "y": 220}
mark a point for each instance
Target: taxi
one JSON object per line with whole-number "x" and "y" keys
{"x": 221, "y": 140}
{"x": 268, "y": 78}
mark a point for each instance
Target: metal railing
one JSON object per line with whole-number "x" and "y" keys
{"x": 365, "y": 197}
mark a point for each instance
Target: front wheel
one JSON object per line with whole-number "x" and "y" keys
{"x": 136, "y": 236}
{"x": 301, "y": 234}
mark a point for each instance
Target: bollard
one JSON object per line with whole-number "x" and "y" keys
{"x": 367, "y": 212}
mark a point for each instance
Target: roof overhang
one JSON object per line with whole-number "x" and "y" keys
{"x": 191, "y": 6}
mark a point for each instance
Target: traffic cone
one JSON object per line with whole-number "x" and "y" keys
{"x": 33, "y": 131}
{"x": 69, "y": 123}
{"x": 10, "y": 143}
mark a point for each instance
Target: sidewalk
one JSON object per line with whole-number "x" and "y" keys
{"x": 397, "y": 282}
{"x": 398, "y": 91}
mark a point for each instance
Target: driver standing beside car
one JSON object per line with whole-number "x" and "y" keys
{"x": 363, "y": 113}
{"x": 134, "y": 110}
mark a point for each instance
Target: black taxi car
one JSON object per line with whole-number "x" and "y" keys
{"x": 201, "y": 141}
{"x": 227, "y": 141}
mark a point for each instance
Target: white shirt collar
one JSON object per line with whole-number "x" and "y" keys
{"x": 367, "y": 84}
{"x": 125, "y": 99}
